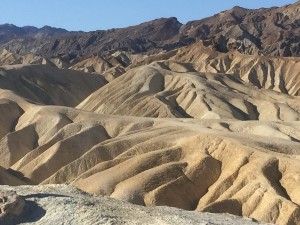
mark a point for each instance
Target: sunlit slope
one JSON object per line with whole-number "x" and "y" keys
{"x": 169, "y": 89}
{"x": 248, "y": 168}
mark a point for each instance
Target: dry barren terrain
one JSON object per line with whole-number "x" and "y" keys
{"x": 183, "y": 126}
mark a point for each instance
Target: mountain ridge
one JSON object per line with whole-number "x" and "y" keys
{"x": 201, "y": 116}
{"x": 8, "y": 31}
{"x": 245, "y": 30}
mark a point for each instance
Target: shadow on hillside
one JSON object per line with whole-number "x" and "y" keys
{"x": 32, "y": 213}
{"x": 44, "y": 196}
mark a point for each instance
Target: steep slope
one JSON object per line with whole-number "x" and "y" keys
{"x": 6, "y": 178}
{"x": 49, "y": 85}
{"x": 93, "y": 65}
{"x": 8, "y": 58}
{"x": 171, "y": 89}
{"x": 99, "y": 64}
{"x": 147, "y": 36}
{"x": 225, "y": 166}
{"x": 187, "y": 127}
{"x": 274, "y": 31}
{"x": 276, "y": 73}
{"x": 280, "y": 74}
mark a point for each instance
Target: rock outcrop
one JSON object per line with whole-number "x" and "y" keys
{"x": 280, "y": 74}
{"x": 11, "y": 206}
{"x": 178, "y": 124}
{"x": 273, "y": 31}
{"x": 62, "y": 204}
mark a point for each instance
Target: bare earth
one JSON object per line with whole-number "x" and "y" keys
{"x": 217, "y": 164}
{"x": 61, "y": 204}
{"x": 191, "y": 128}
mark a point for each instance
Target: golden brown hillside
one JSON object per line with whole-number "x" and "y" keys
{"x": 220, "y": 163}
{"x": 171, "y": 89}
{"x": 153, "y": 115}
{"x": 248, "y": 168}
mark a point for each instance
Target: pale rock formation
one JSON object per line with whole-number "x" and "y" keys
{"x": 170, "y": 89}
{"x": 246, "y": 168}
{"x": 11, "y": 206}
{"x": 62, "y": 204}
{"x": 191, "y": 128}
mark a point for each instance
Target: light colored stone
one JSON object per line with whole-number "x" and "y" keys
{"x": 62, "y": 204}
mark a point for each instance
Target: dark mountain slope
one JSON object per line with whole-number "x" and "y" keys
{"x": 273, "y": 31}
{"x": 10, "y": 31}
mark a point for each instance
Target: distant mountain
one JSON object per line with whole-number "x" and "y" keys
{"x": 273, "y": 31}
{"x": 10, "y": 31}
{"x": 129, "y": 114}
{"x": 154, "y": 35}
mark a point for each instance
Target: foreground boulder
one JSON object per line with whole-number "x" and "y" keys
{"x": 11, "y": 206}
